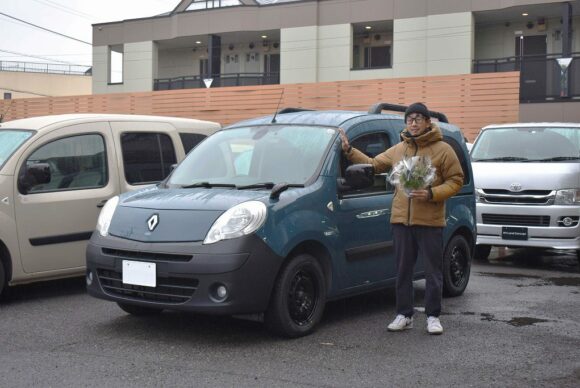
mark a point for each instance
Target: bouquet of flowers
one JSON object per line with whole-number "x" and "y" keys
{"x": 412, "y": 173}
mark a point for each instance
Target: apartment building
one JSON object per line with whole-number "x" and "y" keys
{"x": 32, "y": 79}
{"x": 218, "y": 43}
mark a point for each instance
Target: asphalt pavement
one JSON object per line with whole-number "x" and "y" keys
{"x": 517, "y": 325}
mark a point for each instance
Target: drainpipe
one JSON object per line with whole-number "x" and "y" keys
{"x": 566, "y": 59}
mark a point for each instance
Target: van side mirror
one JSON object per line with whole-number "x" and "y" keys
{"x": 356, "y": 177}
{"x": 32, "y": 175}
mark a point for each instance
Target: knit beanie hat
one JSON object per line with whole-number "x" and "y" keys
{"x": 417, "y": 107}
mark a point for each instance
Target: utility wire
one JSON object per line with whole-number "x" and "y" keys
{"x": 37, "y": 57}
{"x": 45, "y": 29}
{"x": 64, "y": 8}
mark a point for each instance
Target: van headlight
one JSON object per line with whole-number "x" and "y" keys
{"x": 106, "y": 216}
{"x": 237, "y": 221}
{"x": 567, "y": 197}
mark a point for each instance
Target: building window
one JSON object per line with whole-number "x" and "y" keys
{"x": 372, "y": 45}
{"x": 116, "y": 64}
{"x": 378, "y": 56}
{"x": 206, "y": 4}
{"x": 7, "y": 96}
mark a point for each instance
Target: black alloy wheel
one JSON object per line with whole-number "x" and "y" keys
{"x": 302, "y": 297}
{"x": 298, "y": 298}
{"x": 137, "y": 310}
{"x": 456, "y": 266}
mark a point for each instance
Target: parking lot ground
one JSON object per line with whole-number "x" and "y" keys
{"x": 517, "y": 325}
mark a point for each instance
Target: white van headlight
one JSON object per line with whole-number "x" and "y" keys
{"x": 106, "y": 216}
{"x": 567, "y": 197}
{"x": 237, "y": 221}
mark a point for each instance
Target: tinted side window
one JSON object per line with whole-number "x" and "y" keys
{"x": 461, "y": 156}
{"x": 190, "y": 140}
{"x": 147, "y": 157}
{"x": 76, "y": 162}
{"x": 371, "y": 145}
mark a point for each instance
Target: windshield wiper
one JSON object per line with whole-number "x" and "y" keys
{"x": 502, "y": 159}
{"x": 207, "y": 185}
{"x": 266, "y": 185}
{"x": 556, "y": 159}
{"x": 280, "y": 187}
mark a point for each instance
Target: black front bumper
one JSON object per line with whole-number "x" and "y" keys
{"x": 187, "y": 274}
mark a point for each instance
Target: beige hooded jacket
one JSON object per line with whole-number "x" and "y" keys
{"x": 448, "y": 179}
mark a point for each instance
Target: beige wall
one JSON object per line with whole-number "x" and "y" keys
{"x": 298, "y": 55}
{"x": 568, "y": 112}
{"x": 433, "y": 45}
{"x": 26, "y": 85}
{"x": 140, "y": 68}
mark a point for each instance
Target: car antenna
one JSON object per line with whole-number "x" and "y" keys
{"x": 278, "y": 107}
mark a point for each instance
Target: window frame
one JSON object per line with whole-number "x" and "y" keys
{"x": 105, "y": 159}
{"x": 160, "y": 152}
{"x": 371, "y": 191}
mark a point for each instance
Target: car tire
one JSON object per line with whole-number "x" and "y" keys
{"x": 139, "y": 310}
{"x": 298, "y": 299}
{"x": 2, "y": 278}
{"x": 482, "y": 252}
{"x": 456, "y": 266}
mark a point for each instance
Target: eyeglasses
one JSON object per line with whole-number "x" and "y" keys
{"x": 417, "y": 119}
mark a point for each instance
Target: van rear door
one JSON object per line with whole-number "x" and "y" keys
{"x": 56, "y": 219}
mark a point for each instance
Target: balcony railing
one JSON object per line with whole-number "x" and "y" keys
{"x": 542, "y": 78}
{"x": 49, "y": 68}
{"x": 219, "y": 80}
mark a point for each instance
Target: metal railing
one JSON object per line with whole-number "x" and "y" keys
{"x": 542, "y": 77}
{"x": 219, "y": 80}
{"x": 49, "y": 68}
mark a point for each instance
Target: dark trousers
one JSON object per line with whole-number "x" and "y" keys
{"x": 409, "y": 242}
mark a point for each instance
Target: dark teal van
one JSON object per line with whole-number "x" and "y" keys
{"x": 267, "y": 216}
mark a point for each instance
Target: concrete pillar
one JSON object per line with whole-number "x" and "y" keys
{"x": 433, "y": 45}
{"x": 299, "y": 55}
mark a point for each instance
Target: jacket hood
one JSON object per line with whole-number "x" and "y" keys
{"x": 431, "y": 135}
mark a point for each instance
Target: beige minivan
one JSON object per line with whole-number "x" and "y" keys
{"x": 56, "y": 172}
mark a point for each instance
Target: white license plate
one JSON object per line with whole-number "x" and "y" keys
{"x": 139, "y": 273}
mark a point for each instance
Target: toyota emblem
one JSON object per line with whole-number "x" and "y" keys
{"x": 152, "y": 222}
{"x": 516, "y": 187}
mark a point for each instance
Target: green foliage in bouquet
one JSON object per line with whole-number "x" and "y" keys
{"x": 413, "y": 173}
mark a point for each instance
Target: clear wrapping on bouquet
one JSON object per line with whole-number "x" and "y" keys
{"x": 412, "y": 173}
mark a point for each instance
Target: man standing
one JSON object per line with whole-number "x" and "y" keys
{"x": 418, "y": 219}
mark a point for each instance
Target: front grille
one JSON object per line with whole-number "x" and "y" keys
{"x": 519, "y": 220}
{"x": 523, "y": 192}
{"x": 149, "y": 256}
{"x": 525, "y": 197}
{"x": 169, "y": 289}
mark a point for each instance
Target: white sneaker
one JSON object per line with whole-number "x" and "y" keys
{"x": 401, "y": 323}
{"x": 434, "y": 326}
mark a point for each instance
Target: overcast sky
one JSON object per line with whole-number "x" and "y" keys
{"x": 69, "y": 17}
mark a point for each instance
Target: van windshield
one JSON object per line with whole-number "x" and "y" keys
{"x": 267, "y": 154}
{"x": 10, "y": 140}
{"x": 528, "y": 144}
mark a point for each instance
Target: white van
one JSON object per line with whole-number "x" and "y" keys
{"x": 527, "y": 179}
{"x": 56, "y": 172}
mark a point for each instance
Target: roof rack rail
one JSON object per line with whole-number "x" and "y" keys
{"x": 293, "y": 110}
{"x": 381, "y": 106}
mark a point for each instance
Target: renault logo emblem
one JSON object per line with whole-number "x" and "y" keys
{"x": 516, "y": 187}
{"x": 152, "y": 222}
